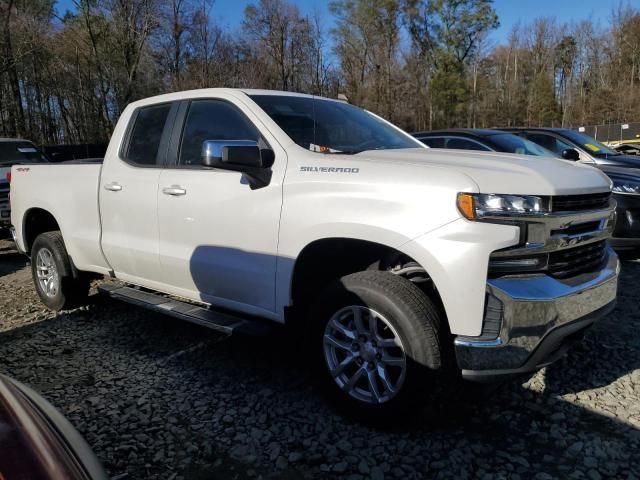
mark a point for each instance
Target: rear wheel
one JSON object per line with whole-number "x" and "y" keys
{"x": 53, "y": 275}
{"x": 377, "y": 338}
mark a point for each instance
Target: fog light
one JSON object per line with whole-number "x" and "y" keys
{"x": 503, "y": 265}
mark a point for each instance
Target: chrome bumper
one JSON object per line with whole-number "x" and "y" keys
{"x": 534, "y": 315}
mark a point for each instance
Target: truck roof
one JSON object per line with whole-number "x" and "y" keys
{"x": 186, "y": 94}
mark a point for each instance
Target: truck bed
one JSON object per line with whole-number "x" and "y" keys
{"x": 69, "y": 191}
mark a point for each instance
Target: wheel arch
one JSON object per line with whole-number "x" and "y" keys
{"x": 327, "y": 259}
{"x": 36, "y": 221}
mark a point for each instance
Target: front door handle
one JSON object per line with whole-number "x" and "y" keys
{"x": 174, "y": 190}
{"x": 113, "y": 187}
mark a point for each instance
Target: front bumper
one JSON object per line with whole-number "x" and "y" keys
{"x": 537, "y": 316}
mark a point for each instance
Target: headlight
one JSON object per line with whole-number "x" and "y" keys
{"x": 630, "y": 187}
{"x": 477, "y": 205}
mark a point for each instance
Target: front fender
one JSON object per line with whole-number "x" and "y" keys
{"x": 456, "y": 256}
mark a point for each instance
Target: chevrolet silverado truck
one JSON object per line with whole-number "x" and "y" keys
{"x": 395, "y": 262}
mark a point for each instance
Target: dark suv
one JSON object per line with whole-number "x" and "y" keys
{"x": 589, "y": 149}
{"x": 566, "y": 144}
{"x": 480, "y": 139}
{"x": 624, "y": 171}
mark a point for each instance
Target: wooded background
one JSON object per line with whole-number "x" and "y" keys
{"x": 422, "y": 64}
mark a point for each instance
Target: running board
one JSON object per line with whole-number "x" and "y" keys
{"x": 222, "y": 322}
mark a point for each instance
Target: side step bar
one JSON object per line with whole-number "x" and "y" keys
{"x": 222, "y": 322}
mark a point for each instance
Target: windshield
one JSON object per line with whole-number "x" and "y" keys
{"x": 590, "y": 144}
{"x": 328, "y": 126}
{"x": 12, "y": 153}
{"x": 509, "y": 143}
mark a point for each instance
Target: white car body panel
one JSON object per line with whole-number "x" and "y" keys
{"x": 130, "y": 221}
{"x": 71, "y": 196}
{"x": 219, "y": 242}
{"x": 225, "y": 244}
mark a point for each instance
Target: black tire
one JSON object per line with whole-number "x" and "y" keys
{"x": 416, "y": 322}
{"x": 71, "y": 292}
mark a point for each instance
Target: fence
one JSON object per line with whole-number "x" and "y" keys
{"x": 614, "y": 132}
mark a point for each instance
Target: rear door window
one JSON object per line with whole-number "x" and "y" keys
{"x": 146, "y": 134}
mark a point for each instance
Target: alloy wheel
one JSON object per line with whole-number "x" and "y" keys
{"x": 364, "y": 354}
{"x": 47, "y": 272}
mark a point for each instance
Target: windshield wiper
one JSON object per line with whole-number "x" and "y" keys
{"x": 344, "y": 152}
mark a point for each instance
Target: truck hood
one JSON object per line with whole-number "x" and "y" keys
{"x": 500, "y": 172}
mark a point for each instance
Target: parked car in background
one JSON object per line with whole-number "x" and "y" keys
{"x": 624, "y": 171}
{"x": 318, "y": 214}
{"x": 589, "y": 149}
{"x": 37, "y": 442}
{"x": 627, "y": 148}
{"x": 65, "y": 153}
{"x": 485, "y": 140}
{"x": 12, "y": 152}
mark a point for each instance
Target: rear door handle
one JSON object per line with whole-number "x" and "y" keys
{"x": 174, "y": 190}
{"x": 113, "y": 187}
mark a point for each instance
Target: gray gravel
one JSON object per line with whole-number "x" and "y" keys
{"x": 159, "y": 398}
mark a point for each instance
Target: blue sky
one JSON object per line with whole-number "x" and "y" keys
{"x": 230, "y": 12}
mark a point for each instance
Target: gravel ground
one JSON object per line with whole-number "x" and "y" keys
{"x": 163, "y": 399}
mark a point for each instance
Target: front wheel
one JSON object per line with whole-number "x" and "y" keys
{"x": 378, "y": 338}
{"x": 53, "y": 276}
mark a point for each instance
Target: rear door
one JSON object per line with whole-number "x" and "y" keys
{"x": 129, "y": 195}
{"x": 218, "y": 236}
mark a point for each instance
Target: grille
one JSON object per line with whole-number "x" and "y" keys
{"x": 4, "y": 193}
{"x": 578, "y": 229}
{"x": 573, "y": 261}
{"x": 572, "y": 203}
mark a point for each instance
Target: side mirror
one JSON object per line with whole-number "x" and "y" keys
{"x": 570, "y": 154}
{"x": 240, "y": 156}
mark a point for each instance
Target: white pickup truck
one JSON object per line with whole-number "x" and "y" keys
{"x": 396, "y": 261}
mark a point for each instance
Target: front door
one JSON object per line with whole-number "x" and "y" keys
{"x": 218, "y": 236}
{"x": 129, "y": 194}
